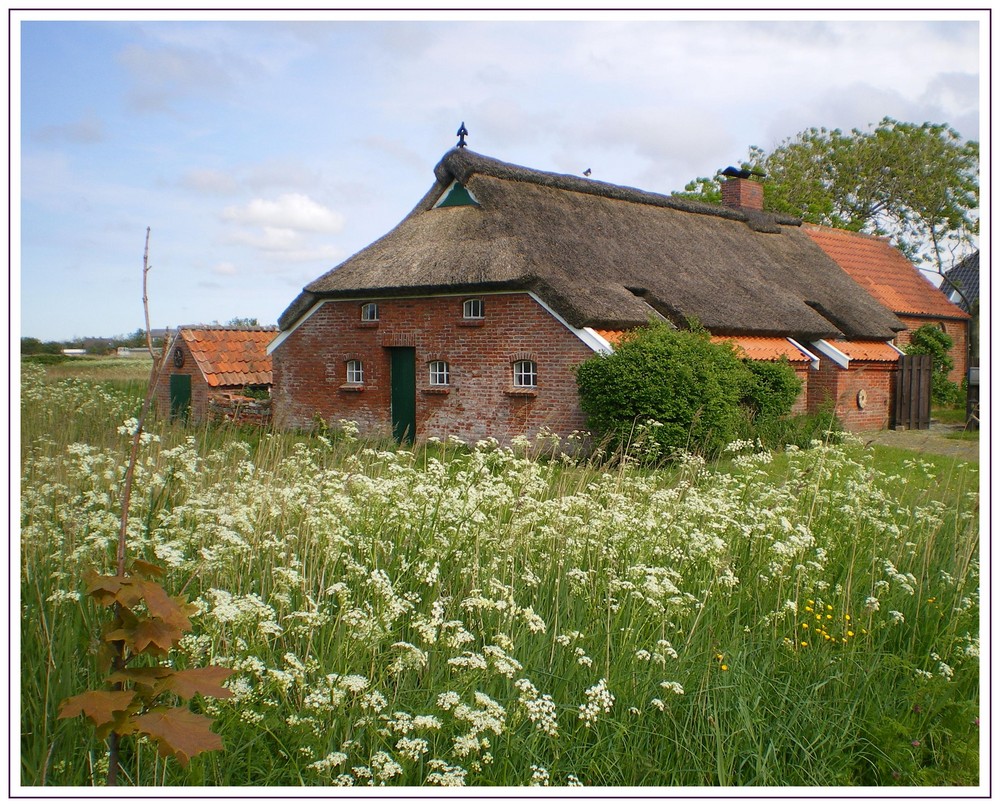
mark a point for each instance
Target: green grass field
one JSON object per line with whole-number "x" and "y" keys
{"x": 493, "y": 616}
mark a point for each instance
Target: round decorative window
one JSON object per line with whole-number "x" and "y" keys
{"x": 862, "y": 398}
{"x": 178, "y": 358}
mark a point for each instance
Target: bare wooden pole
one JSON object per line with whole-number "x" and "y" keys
{"x": 118, "y": 659}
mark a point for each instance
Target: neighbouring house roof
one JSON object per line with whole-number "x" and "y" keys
{"x": 964, "y": 277}
{"x": 606, "y": 257}
{"x": 230, "y": 357}
{"x": 885, "y": 272}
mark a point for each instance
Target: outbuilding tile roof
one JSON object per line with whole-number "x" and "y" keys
{"x": 766, "y": 348}
{"x": 230, "y": 356}
{"x": 884, "y": 272}
{"x": 867, "y": 351}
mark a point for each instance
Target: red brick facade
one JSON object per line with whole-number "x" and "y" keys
{"x": 189, "y": 367}
{"x": 871, "y": 410}
{"x": 958, "y": 330}
{"x": 480, "y": 400}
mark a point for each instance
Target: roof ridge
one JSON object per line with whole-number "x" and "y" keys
{"x": 461, "y": 164}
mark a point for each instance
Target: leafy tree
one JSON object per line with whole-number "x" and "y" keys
{"x": 932, "y": 341}
{"x": 916, "y": 183}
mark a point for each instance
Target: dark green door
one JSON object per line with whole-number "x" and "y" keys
{"x": 403, "y": 380}
{"x": 180, "y": 395}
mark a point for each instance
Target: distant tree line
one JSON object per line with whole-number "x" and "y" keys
{"x": 102, "y": 345}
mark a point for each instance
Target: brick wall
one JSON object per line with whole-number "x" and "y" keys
{"x": 833, "y": 383}
{"x": 310, "y": 366}
{"x": 199, "y": 386}
{"x": 958, "y": 330}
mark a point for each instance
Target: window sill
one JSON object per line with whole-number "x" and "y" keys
{"x": 352, "y": 387}
{"x": 369, "y": 324}
{"x": 522, "y": 392}
{"x": 471, "y": 323}
{"x": 442, "y": 390}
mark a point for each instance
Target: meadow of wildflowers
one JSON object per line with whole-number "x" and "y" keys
{"x": 482, "y": 616}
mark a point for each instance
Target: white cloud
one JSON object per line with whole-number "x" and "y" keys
{"x": 88, "y": 129}
{"x": 225, "y": 268}
{"x": 286, "y": 215}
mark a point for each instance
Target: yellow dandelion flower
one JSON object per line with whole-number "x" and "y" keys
{"x": 850, "y": 633}
{"x": 804, "y": 644}
{"x": 805, "y": 624}
{"x": 724, "y": 667}
{"x": 847, "y": 617}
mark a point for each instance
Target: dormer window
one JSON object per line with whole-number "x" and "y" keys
{"x": 473, "y": 309}
{"x": 369, "y": 312}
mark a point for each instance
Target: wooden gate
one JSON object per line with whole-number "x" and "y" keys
{"x": 912, "y": 409}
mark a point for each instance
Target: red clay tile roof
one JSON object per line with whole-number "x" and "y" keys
{"x": 884, "y": 272}
{"x": 866, "y": 351}
{"x": 766, "y": 348}
{"x": 763, "y": 348}
{"x": 230, "y": 356}
{"x": 611, "y": 337}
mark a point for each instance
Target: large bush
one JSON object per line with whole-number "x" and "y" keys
{"x": 932, "y": 341}
{"x": 675, "y": 388}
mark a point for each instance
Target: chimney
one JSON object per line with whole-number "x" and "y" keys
{"x": 739, "y": 191}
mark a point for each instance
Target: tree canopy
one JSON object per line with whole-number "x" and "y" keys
{"x": 916, "y": 183}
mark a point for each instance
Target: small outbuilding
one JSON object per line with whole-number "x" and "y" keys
{"x": 206, "y": 365}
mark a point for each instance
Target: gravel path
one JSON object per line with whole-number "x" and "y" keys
{"x": 934, "y": 440}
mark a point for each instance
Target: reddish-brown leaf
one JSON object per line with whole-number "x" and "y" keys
{"x": 180, "y": 733}
{"x": 144, "y": 568}
{"x": 200, "y": 680}
{"x": 162, "y": 606}
{"x": 109, "y": 589}
{"x": 99, "y": 705}
{"x": 148, "y": 635}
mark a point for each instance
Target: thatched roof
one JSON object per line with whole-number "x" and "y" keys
{"x": 607, "y": 256}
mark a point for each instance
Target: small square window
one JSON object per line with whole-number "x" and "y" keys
{"x": 473, "y": 309}
{"x": 355, "y": 372}
{"x": 369, "y": 312}
{"x": 525, "y": 374}
{"x": 439, "y": 374}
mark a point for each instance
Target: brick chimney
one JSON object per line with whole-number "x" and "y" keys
{"x": 740, "y": 190}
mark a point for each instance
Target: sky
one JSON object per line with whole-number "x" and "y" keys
{"x": 260, "y": 153}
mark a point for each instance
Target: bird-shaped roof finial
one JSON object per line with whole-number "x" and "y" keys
{"x": 462, "y": 133}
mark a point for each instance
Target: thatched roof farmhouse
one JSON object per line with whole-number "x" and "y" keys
{"x": 550, "y": 267}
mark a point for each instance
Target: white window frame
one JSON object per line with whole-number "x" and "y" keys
{"x": 355, "y": 372}
{"x": 525, "y": 374}
{"x": 469, "y": 307}
{"x": 438, "y": 373}
{"x": 369, "y": 312}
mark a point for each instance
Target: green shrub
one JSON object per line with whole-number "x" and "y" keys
{"x": 677, "y": 388}
{"x": 773, "y": 389}
{"x": 932, "y": 341}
